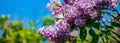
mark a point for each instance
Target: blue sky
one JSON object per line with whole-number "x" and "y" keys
{"x": 25, "y": 10}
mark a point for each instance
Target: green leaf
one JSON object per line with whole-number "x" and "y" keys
{"x": 99, "y": 32}
{"x": 95, "y": 39}
{"x": 115, "y": 24}
{"x": 96, "y": 25}
{"x": 32, "y": 23}
{"x": 48, "y": 20}
{"x": 107, "y": 32}
{"x": 83, "y": 33}
{"x": 102, "y": 11}
{"x": 91, "y": 32}
{"x": 90, "y": 21}
{"x": 72, "y": 26}
{"x": 4, "y": 17}
{"x": 94, "y": 36}
{"x": 111, "y": 27}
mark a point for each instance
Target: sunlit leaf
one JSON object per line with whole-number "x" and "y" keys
{"x": 4, "y": 17}
{"x": 99, "y": 32}
{"x": 48, "y": 21}
{"x": 19, "y": 23}
{"x": 102, "y": 11}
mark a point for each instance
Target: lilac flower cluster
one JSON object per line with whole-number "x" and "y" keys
{"x": 59, "y": 33}
{"x": 74, "y": 12}
{"x": 102, "y": 4}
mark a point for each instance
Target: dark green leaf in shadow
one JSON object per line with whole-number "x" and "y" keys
{"x": 115, "y": 24}
{"x": 95, "y": 37}
{"x": 83, "y": 33}
{"x": 96, "y": 25}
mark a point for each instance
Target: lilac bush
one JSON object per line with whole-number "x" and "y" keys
{"x": 76, "y": 13}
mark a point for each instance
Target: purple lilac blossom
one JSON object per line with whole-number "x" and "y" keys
{"x": 73, "y": 11}
{"x": 58, "y": 33}
{"x": 70, "y": 13}
{"x": 54, "y": 5}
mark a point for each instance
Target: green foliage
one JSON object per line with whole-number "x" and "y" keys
{"x": 95, "y": 37}
{"x": 99, "y": 32}
{"x": 83, "y": 33}
{"x": 102, "y": 11}
{"x": 91, "y": 32}
{"x": 48, "y": 20}
{"x": 15, "y": 32}
{"x": 90, "y": 22}
{"x": 115, "y": 24}
{"x": 4, "y": 17}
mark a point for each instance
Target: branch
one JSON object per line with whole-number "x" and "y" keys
{"x": 115, "y": 39}
{"x": 115, "y": 11}
{"x": 116, "y": 34}
{"x": 112, "y": 16}
{"x": 103, "y": 40}
{"x": 73, "y": 39}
